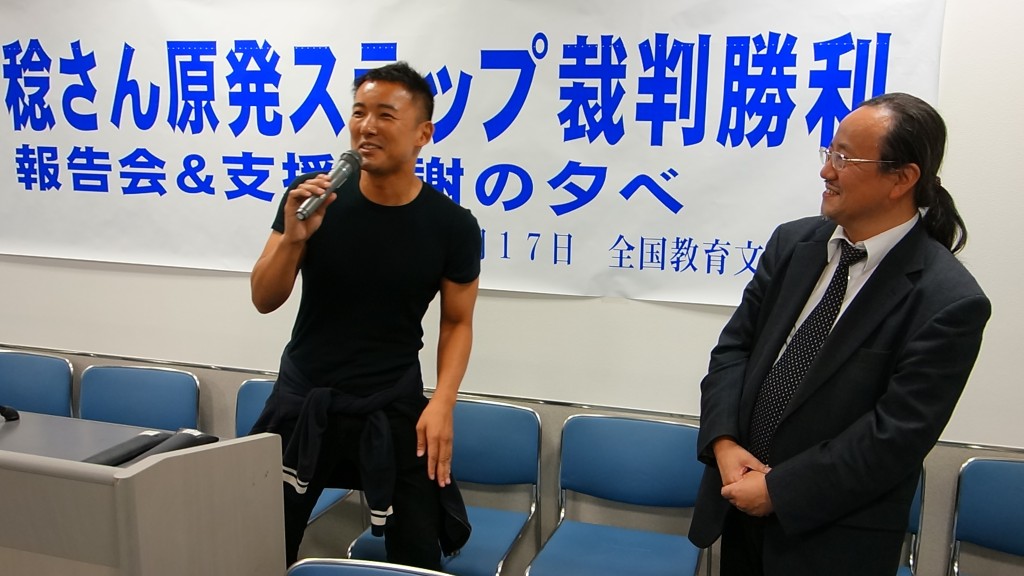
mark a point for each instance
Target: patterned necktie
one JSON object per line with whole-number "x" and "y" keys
{"x": 785, "y": 376}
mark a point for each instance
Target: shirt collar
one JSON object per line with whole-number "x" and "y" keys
{"x": 878, "y": 246}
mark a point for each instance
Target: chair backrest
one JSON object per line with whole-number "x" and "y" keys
{"x": 642, "y": 462}
{"x": 495, "y": 443}
{"x": 914, "y": 525}
{"x": 140, "y": 396}
{"x": 989, "y": 508}
{"x": 35, "y": 382}
{"x": 345, "y": 567}
{"x": 252, "y": 396}
{"x": 915, "y": 507}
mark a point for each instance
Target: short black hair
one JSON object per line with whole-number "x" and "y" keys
{"x": 401, "y": 73}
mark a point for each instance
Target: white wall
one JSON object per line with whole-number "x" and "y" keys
{"x": 979, "y": 90}
{"x": 606, "y": 351}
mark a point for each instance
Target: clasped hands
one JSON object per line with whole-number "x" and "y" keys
{"x": 743, "y": 478}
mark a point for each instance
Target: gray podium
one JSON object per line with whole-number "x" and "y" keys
{"x": 215, "y": 509}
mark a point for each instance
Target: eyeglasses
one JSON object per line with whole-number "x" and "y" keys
{"x": 839, "y": 160}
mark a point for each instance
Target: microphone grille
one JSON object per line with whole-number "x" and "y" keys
{"x": 353, "y": 157}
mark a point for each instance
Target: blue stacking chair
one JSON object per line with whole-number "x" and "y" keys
{"x": 989, "y": 509}
{"x": 249, "y": 401}
{"x": 914, "y": 530}
{"x": 344, "y": 567}
{"x": 252, "y": 396}
{"x": 629, "y": 461}
{"x": 495, "y": 444}
{"x": 147, "y": 396}
{"x": 35, "y": 382}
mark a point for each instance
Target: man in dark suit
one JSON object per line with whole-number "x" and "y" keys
{"x": 817, "y": 476}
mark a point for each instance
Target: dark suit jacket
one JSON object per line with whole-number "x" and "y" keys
{"x": 852, "y": 439}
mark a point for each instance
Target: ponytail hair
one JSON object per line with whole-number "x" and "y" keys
{"x": 941, "y": 218}
{"x": 917, "y": 135}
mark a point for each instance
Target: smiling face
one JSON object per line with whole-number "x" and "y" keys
{"x": 388, "y": 127}
{"x": 864, "y": 198}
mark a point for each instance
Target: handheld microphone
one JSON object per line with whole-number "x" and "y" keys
{"x": 347, "y": 164}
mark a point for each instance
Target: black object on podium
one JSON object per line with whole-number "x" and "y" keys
{"x": 184, "y": 438}
{"x": 125, "y": 451}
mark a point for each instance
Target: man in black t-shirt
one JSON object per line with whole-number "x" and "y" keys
{"x": 349, "y": 392}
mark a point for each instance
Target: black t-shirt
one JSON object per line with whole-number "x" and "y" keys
{"x": 368, "y": 275}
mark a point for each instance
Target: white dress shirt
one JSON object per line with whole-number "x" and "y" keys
{"x": 877, "y": 247}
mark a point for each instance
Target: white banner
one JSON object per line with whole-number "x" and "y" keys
{"x": 644, "y": 150}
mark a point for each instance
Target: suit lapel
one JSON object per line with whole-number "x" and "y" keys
{"x": 873, "y": 305}
{"x": 809, "y": 259}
